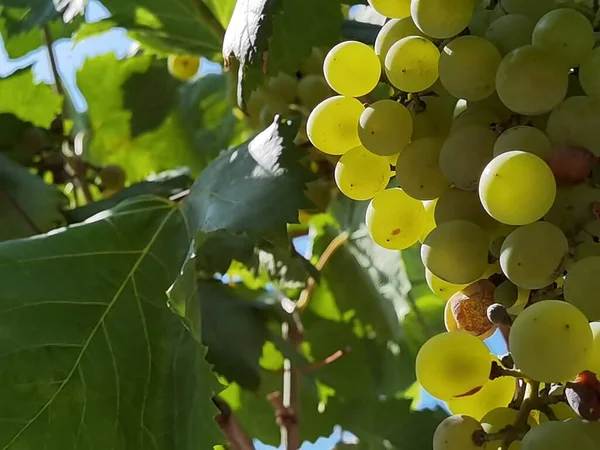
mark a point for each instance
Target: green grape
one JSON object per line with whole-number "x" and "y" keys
{"x": 332, "y": 126}
{"x": 506, "y": 294}
{"x": 480, "y": 22}
{"x": 575, "y": 122}
{"x": 360, "y": 175}
{"x": 392, "y": 159}
{"x": 531, "y": 81}
{"x": 582, "y": 427}
{"x": 510, "y": 32}
{"x": 456, "y": 251}
{"x": 312, "y": 90}
{"x": 494, "y": 394}
{"x": 352, "y": 69}
{"x": 392, "y": 32}
{"x": 284, "y": 87}
{"x": 572, "y": 208}
{"x": 429, "y": 206}
{"x": 583, "y": 278}
{"x": 468, "y": 66}
{"x": 585, "y": 250}
{"x": 395, "y": 9}
{"x": 465, "y": 154}
{"x": 475, "y": 117}
{"x": 492, "y": 104}
{"x": 495, "y": 420}
{"x": 314, "y": 63}
{"x": 566, "y": 33}
{"x": 411, "y": 64}
{"x": 394, "y": 219}
{"x": 442, "y": 19}
{"x": 441, "y": 288}
{"x": 456, "y": 432}
{"x": 533, "y": 256}
{"x": 259, "y": 98}
{"x": 452, "y": 364}
{"x": 517, "y": 188}
{"x": 594, "y": 362}
{"x": 534, "y": 9}
{"x": 589, "y": 73}
{"x": 418, "y": 170}
{"x": 556, "y": 436}
{"x": 432, "y": 116}
{"x": 551, "y": 341}
{"x": 385, "y": 127}
{"x": 457, "y": 204}
{"x": 524, "y": 138}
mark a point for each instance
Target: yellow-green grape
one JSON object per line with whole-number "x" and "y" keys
{"x": 183, "y": 67}
{"x": 594, "y": 362}
{"x": 468, "y": 66}
{"x": 385, "y": 127}
{"x": 589, "y": 429}
{"x": 395, "y": 9}
{"x": 432, "y": 116}
{"x": 480, "y": 22}
{"x": 441, "y": 288}
{"x": 531, "y": 81}
{"x": 589, "y": 73}
{"x": 521, "y": 303}
{"x": 510, "y": 32}
{"x": 572, "y": 208}
{"x": 534, "y": 255}
{"x": 411, "y": 64}
{"x": 112, "y": 177}
{"x": 496, "y": 420}
{"x": 442, "y": 19}
{"x": 457, "y": 432}
{"x": 314, "y": 63}
{"x": 575, "y": 122}
{"x": 465, "y": 154}
{"x": 506, "y": 294}
{"x": 429, "y": 218}
{"x": 392, "y": 32}
{"x": 312, "y": 90}
{"x": 495, "y": 393}
{"x": 457, "y": 204}
{"x": 524, "y": 138}
{"x": 284, "y": 87}
{"x": 456, "y": 251}
{"x": 475, "y": 117}
{"x": 534, "y": 9}
{"x": 492, "y": 104}
{"x": 394, "y": 219}
{"x": 352, "y": 69}
{"x": 452, "y": 364}
{"x": 517, "y": 188}
{"x": 566, "y": 33}
{"x": 583, "y": 278}
{"x": 332, "y": 126}
{"x": 551, "y": 341}
{"x": 360, "y": 175}
{"x": 556, "y": 436}
{"x": 418, "y": 170}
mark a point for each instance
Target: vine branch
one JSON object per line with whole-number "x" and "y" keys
{"x": 52, "y": 57}
{"x": 207, "y": 16}
{"x": 230, "y": 426}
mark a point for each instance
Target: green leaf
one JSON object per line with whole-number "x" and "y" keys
{"x": 28, "y": 206}
{"x": 20, "y": 141}
{"x": 222, "y": 9}
{"x": 30, "y": 102}
{"x": 360, "y": 31}
{"x": 92, "y": 357}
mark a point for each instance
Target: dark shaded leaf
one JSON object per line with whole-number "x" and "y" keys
{"x": 19, "y": 140}
{"x": 360, "y": 31}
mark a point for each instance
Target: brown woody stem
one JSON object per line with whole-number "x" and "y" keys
{"x": 230, "y": 426}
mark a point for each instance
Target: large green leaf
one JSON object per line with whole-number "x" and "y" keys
{"x": 222, "y": 9}
{"x": 28, "y": 206}
{"x": 90, "y": 354}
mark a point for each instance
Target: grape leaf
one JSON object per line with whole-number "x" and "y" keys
{"x": 92, "y": 357}
{"x": 222, "y": 9}
{"x": 28, "y": 206}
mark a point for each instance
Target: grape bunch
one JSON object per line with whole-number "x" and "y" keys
{"x": 485, "y": 151}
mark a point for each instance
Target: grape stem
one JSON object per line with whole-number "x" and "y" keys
{"x": 499, "y": 371}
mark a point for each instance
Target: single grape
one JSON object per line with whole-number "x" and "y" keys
{"x": 441, "y": 288}
{"x": 429, "y": 218}
{"x": 567, "y": 33}
{"x": 312, "y": 90}
{"x": 551, "y": 341}
{"x": 583, "y": 427}
{"x": 385, "y": 127}
{"x": 411, "y": 64}
{"x": 575, "y": 122}
{"x": 392, "y": 32}
{"x": 284, "y": 87}
{"x": 589, "y": 73}
{"x": 395, "y": 9}
{"x": 469, "y": 307}
{"x": 452, "y": 364}
{"x": 594, "y": 362}
{"x": 457, "y": 432}
{"x": 517, "y": 188}
{"x": 456, "y": 252}
{"x": 492, "y": 104}
{"x": 534, "y": 9}
{"x": 531, "y": 81}
{"x": 352, "y": 69}
{"x": 432, "y": 116}
{"x": 506, "y": 294}
{"x": 571, "y": 164}
{"x": 573, "y": 207}
{"x": 442, "y": 19}
{"x": 465, "y": 154}
{"x": 112, "y": 177}
{"x": 475, "y": 117}
{"x": 394, "y": 219}
{"x": 481, "y": 20}
{"x": 523, "y": 138}
{"x": 418, "y": 170}
{"x": 360, "y": 175}
{"x": 456, "y": 204}
{"x": 582, "y": 279}
{"x": 332, "y": 126}
{"x": 534, "y": 255}
{"x": 585, "y": 250}
{"x": 468, "y": 66}
{"x": 510, "y": 32}
{"x": 556, "y": 436}
{"x": 183, "y": 67}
